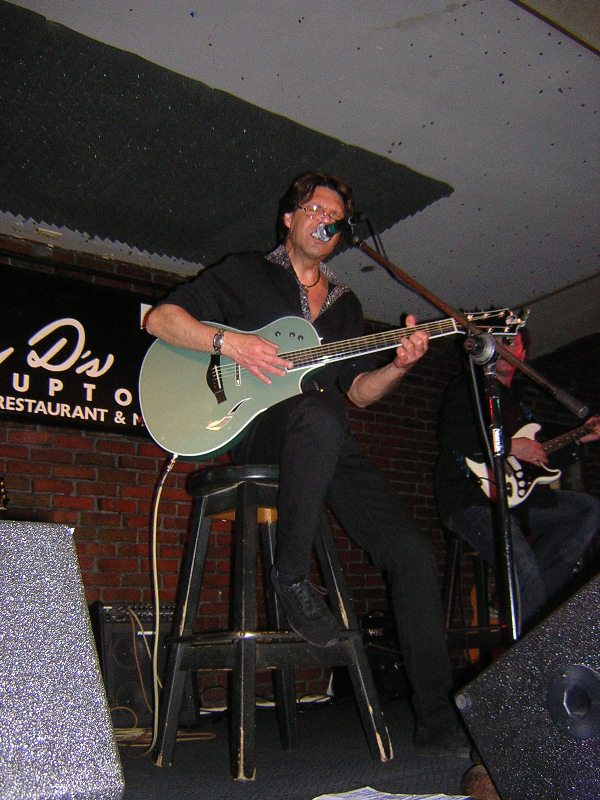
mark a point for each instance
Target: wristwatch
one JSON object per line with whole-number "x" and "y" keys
{"x": 218, "y": 341}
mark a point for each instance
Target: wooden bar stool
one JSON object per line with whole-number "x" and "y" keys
{"x": 479, "y": 634}
{"x": 251, "y": 491}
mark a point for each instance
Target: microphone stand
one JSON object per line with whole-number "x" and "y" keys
{"x": 479, "y": 340}
{"x": 483, "y": 351}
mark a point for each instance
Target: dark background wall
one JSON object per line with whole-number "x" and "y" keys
{"x": 102, "y": 484}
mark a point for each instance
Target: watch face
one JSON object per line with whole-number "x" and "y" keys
{"x": 218, "y": 341}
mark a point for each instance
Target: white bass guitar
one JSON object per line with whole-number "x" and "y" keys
{"x": 522, "y": 478}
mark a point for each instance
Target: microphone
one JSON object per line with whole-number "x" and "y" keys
{"x": 326, "y": 232}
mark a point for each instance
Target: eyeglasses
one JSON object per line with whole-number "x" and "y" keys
{"x": 314, "y": 211}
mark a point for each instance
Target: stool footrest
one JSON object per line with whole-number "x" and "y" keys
{"x": 260, "y": 637}
{"x": 270, "y": 654}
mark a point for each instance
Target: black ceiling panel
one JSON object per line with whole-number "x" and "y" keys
{"x": 104, "y": 142}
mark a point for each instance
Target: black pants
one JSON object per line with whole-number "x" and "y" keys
{"x": 543, "y": 566}
{"x": 321, "y": 463}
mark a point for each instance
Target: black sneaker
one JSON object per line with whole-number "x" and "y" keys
{"x": 306, "y": 611}
{"x": 434, "y": 741}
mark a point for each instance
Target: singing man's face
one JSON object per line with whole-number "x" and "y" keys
{"x": 303, "y": 222}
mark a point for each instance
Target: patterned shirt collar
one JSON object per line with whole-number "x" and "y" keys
{"x": 335, "y": 290}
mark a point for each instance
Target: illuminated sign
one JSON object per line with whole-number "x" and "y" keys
{"x": 70, "y": 352}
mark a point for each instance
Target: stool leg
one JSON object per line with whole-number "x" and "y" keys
{"x": 243, "y": 709}
{"x": 359, "y": 669}
{"x": 174, "y": 684}
{"x": 481, "y": 583}
{"x": 185, "y": 618}
{"x": 283, "y": 679}
{"x": 367, "y": 700}
{"x": 483, "y": 612}
{"x": 327, "y": 556}
{"x": 450, "y": 572}
{"x": 243, "y": 676}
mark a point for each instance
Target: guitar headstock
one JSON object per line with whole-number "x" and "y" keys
{"x": 499, "y": 322}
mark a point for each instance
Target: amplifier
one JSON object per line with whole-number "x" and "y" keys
{"x": 383, "y": 652}
{"x": 123, "y": 612}
{"x": 124, "y": 638}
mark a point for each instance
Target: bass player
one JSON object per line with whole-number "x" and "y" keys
{"x": 551, "y": 528}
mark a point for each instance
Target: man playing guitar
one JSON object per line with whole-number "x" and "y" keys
{"x": 308, "y": 434}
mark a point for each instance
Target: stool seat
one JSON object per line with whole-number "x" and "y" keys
{"x": 230, "y": 474}
{"x": 247, "y": 495}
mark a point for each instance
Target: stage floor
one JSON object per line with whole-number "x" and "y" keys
{"x": 333, "y": 756}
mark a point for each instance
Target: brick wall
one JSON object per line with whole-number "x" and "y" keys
{"x": 102, "y": 484}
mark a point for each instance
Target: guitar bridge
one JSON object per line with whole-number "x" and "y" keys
{"x": 213, "y": 379}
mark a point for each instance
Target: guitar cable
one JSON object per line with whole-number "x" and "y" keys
{"x": 156, "y": 597}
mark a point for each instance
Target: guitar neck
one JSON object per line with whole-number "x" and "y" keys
{"x": 566, "y": 438}
{"x": 363, "y": 345}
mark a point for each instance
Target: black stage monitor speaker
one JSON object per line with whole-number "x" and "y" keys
{"x": 534, "y": 715}
{"x": 124, "y": 639}
{"x": 56, "y": 739}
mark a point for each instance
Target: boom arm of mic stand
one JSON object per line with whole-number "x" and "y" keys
{"x": 573, "y": 405}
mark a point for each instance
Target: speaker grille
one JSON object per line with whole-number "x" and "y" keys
{"x": 124, "y": 637}
{"x": 533, "y": 744}
{"x": 56, "y": 739}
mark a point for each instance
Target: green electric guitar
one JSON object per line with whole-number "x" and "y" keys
{"x": 197, "y": 404}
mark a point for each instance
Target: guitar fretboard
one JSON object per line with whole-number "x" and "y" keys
{"x": 566, "y": 438}
{"x": 337, "y": 351}
{"x": 498, "y": 322}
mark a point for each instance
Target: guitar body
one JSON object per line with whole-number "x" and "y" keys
{"x": 189, "y": 411}
{"x": 198, "y": 404}
{"x": 521, "y": 479}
